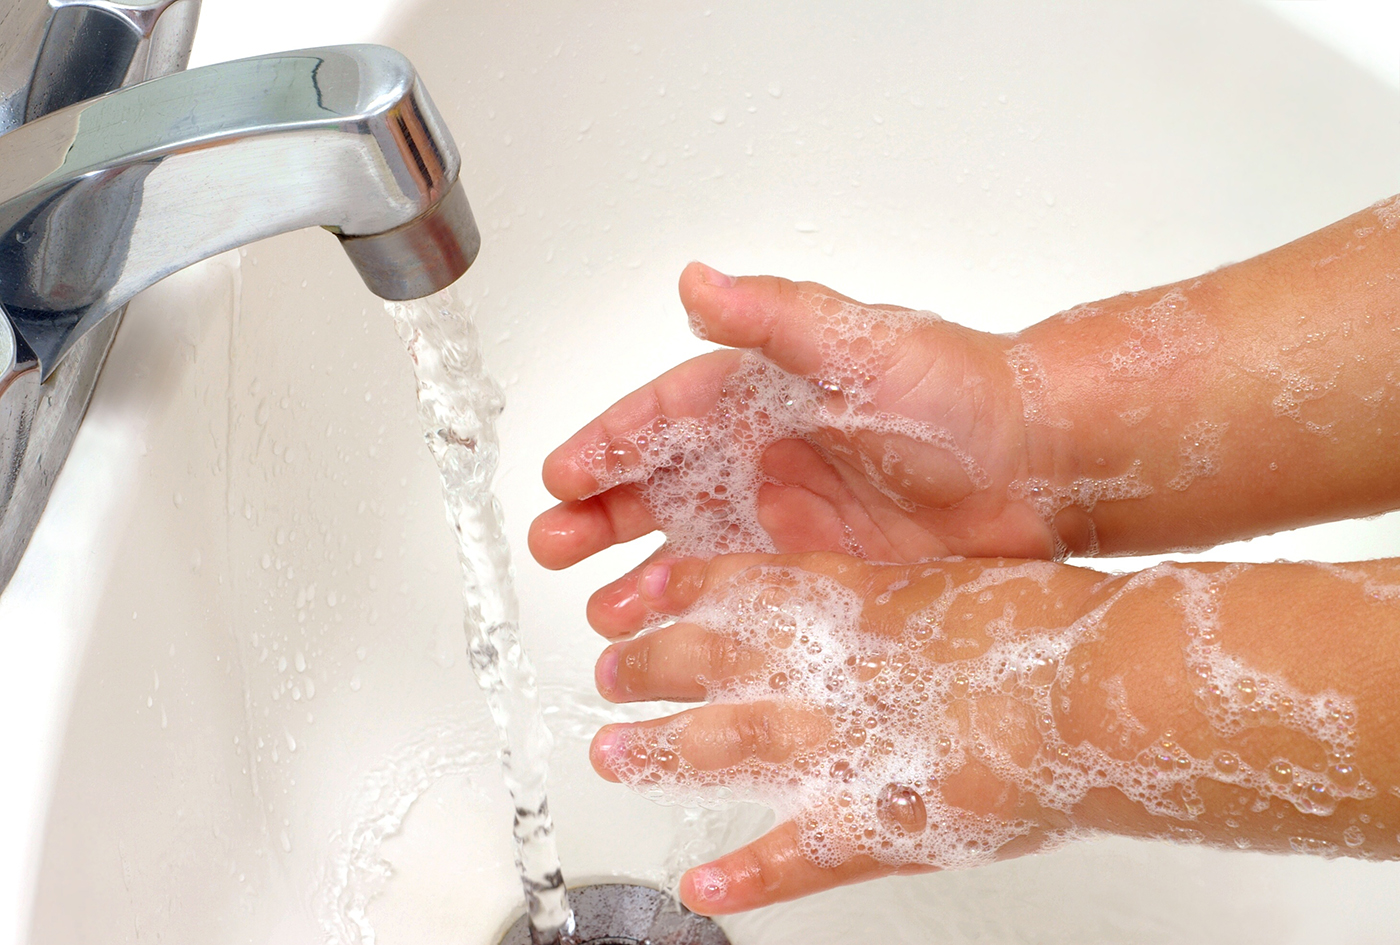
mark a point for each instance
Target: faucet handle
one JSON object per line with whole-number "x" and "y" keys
{"x": 95, "y": 46}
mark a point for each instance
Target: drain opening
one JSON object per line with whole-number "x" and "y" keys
{"x": 627, "y": 914}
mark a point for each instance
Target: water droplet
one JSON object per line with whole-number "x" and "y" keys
{"x": 901, "y": 806}
{"x": 1226, "y": 762}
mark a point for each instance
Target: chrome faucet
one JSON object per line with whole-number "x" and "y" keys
{"x": 100, "y": 197}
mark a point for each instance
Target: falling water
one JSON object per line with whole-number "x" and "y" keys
{"x": 458, "y": 405}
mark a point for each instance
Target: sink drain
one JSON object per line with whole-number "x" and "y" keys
{"x": 624, "y": 914}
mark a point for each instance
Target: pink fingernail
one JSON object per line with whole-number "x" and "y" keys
{"x": 715, "y": 278}
{"x": 608, "y": 743}
{"x": 652, "y": 582}
{"x": 708, "y": 884}
{"x": 605, "y": 674}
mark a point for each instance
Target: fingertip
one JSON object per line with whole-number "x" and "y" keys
{"x": 556, "y": 537}
{"x": 542, "y": 540}
{"x": 616, "y": 609}
{"x": 605, "y": 673}
{"x": 607, "y": 744}
{"x": 564, "y": 475}
{"x": 704, "y": 889}
{"x": 697, "y": 274}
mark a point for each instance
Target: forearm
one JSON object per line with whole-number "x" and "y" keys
{"x": 1262, "y": 396}
{"x": 1263, "y": 697}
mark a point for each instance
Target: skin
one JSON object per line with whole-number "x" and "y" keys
{"x": 1300, "y": 623}
{"x": 1261, "y": 396}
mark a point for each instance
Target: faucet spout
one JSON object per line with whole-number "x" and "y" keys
{"x": 105, "y": 197}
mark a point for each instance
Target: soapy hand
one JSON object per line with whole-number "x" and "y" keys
{"x": 942, "y": 715}
{"x": 870, "y": 430}
{"x": 870, "y": 706}
{"x": 1258, "y": 397}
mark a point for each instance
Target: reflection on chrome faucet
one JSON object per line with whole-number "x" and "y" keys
{"x": 105, "y": 197}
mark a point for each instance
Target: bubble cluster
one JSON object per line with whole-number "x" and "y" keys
{"x": 1049, "y": 499}
{"x": 1297, "y": 389}
{"x": 1079, "y": 312}
{"x": 1200, "y": 451}
{"x": 703, "y": 475}
{"x": 1029, "y": 376}
{"x": 1135, "y": 415}
{"x": 899, "y": 721}
{"x": 1388, "y": 211}
{"x": 1159, "y": 336}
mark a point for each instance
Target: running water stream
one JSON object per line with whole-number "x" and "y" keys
{"x": 458, "y": 404}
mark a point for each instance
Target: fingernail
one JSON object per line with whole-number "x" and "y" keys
{"x": 708, "y": 884}
{"x": 652, "y": 582}
{"x": 608, "y": 744}
{"x": 605, "y": 673}
{"x": 714, "y": 277}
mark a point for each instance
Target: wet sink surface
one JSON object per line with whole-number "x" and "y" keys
{"x": 274, "y": 734}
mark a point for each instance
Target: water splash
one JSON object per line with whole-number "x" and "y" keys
{"x": 359, "y": 871}
{"x": 458, "y": 404}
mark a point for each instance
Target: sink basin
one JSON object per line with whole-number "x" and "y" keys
{"x": 237, "y": 638}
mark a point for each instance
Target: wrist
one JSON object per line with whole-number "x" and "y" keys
{"x": 1092, "y": 424}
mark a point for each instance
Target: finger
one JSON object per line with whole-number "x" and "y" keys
{"x": 708, "y": 738}
{"x": 619, "y": 609}
{"x": 670, "y": 586}
{"x": 768, "y": 870}
{"x": 806, "y": 505}
{"x": 662, "y": 584}
{"x": 571, "y": 531}
{"x": 606, "y": 447}
{"x": 784, "y": 319}
{"x": 676, "y": 663}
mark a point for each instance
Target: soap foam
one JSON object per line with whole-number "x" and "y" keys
{"x": 900, "y": 724}
{"x": 1388, "y": 212}
{"x": 1029, "y": 376}
{"x": 1049, "y": 500}
{"x": 1298, "y": 389}
{"x": 1160, "y": 335}
{"x": 1200, "y": 453}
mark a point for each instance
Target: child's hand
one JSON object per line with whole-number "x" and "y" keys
{"x": 909, "y": 718}
{"x": 864, "y": 703}
{"x": 886, "y": 433}
{"x": 1260, "y": 396}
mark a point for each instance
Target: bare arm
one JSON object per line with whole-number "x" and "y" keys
{"x": 1262, "y": 396}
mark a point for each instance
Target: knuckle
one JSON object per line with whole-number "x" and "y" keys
{"x": 763, "y": 866}
{"x": 753, "y": 729}
{"x": 635, "y": 668}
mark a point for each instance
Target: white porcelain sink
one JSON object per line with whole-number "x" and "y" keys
{"x": 238, "y": 689}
